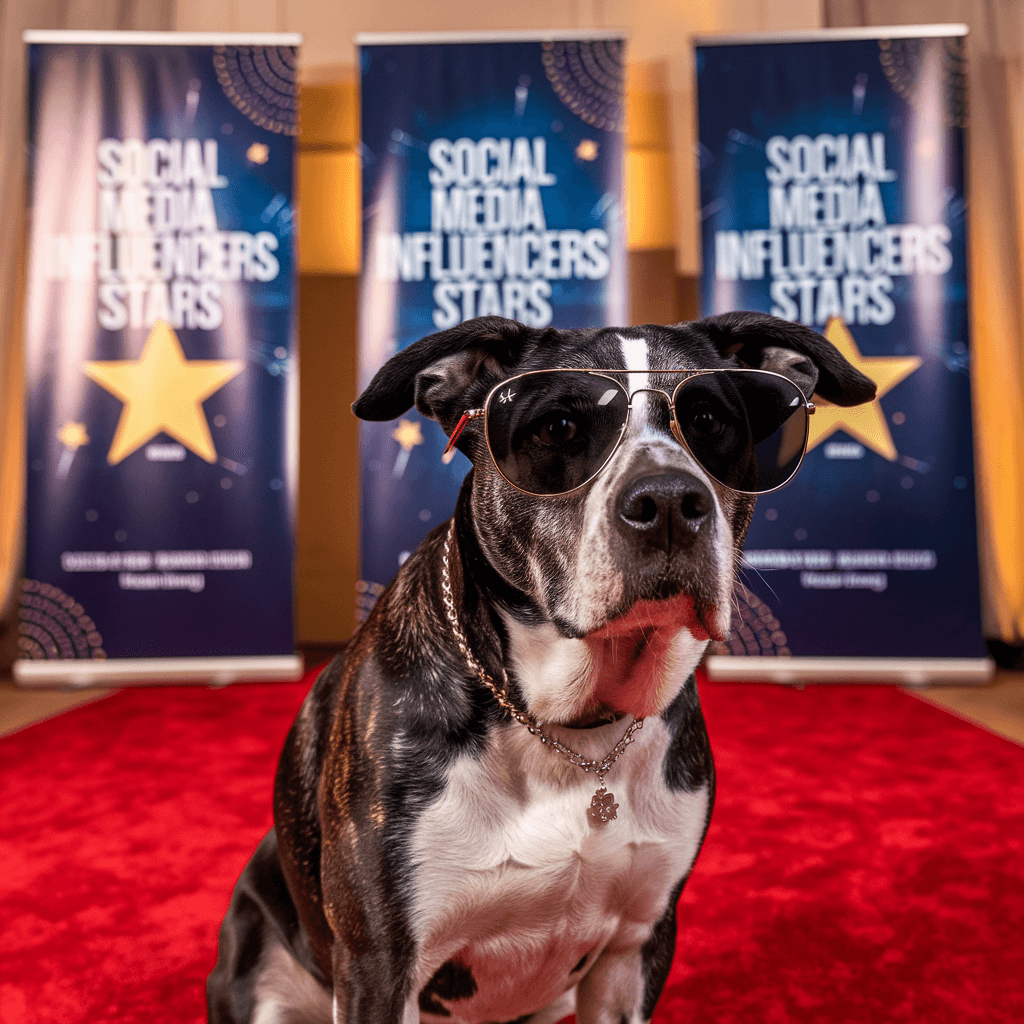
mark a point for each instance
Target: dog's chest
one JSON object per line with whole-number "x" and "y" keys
{"x": 516, "y": 893}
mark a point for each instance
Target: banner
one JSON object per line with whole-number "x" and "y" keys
{"x": 161, "y": 374}
{"x": 492, "y": 185}
{"x": 832, "y": 193}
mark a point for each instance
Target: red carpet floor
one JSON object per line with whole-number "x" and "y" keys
{"x": 865, "y": 861}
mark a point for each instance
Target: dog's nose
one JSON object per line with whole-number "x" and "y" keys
{"x": 665, "y": 509}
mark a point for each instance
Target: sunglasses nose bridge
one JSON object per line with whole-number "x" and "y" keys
{"x": 650, "y": 391}
{"x": 669, "y": 400}
{"x": 673, "y": 422}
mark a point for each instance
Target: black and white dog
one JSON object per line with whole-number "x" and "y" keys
{"x": 471, "y": 825}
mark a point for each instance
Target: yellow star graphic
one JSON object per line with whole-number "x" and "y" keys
{"x": 73, "y": 435}
{"x": 866, "y": 422}
{"x": 163, "y": 392}
{"x": 408, "y": 434}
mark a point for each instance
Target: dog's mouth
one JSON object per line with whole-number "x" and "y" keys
{"x": 638, "y": 656}
{"x": 634, "y": 631}
{"x": 628, "y": 648}
{"x": 639, "y": 640}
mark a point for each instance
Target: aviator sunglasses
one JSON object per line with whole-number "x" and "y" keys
{"x": 550, "y": 432}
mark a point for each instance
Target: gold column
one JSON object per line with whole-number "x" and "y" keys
{"x": 327, "y": 549}
{"x": 328, "y": 182}
{"x": 657, "y": 294}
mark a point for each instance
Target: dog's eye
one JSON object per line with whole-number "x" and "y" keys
{"x": 704, "y": 422}
{"x": 557, "y": 430}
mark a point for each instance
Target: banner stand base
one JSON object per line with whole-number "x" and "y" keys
{"x": 77, "y": 673}
{"x": 902, "y": 671}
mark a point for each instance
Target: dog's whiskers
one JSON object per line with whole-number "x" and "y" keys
{"x": 745, "y": 566}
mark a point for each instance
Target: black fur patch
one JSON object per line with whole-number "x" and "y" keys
{"x": 452, "y": 981}
{"x": 657, "y": 952}
{"x": 688, "y": 763}
{"x": 296, "y": 815}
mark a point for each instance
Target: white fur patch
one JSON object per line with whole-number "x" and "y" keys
{"x": 724, "y": 550}
{"x": 509, "y": 871}
{"x": 636, "y": 357}
{"x": 554, "y": 672}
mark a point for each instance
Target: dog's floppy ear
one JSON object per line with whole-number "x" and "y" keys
{"x": 436, "y": 372}
{"x": 768, "y": 343}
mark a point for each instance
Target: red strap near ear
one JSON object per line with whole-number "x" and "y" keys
{"x": 459, "y": 427}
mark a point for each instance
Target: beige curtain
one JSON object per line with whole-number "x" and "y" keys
{"x": 15, "y": 17}
{"x": 995, "y": 189}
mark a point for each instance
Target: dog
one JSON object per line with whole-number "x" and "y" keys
{"x": 490, "y": 801}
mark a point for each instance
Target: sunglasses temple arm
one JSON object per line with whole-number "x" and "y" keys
{"x": 470, "y": 414}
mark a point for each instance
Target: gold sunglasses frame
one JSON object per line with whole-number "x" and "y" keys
{"x": 472, "y": 414}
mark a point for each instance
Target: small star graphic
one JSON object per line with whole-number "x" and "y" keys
{"x": 162, "y": 392}
{"x": 73, "y": 436}
{"x": 408, "y": 434}
{"x": 866, "y": 423}
{"x": 258, "y": 153}
{"x": 587, "y": 150}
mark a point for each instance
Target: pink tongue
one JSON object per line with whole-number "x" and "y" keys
{"x": 629, "y": 669}
{"x": 632, "y": 659}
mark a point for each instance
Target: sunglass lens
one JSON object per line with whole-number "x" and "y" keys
{"x": 747, "y": 428}
{"x": 550, "y": 432}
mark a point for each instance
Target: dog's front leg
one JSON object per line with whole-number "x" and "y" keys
{"x": 612, "y": 991}
{"x": 373, "y": 957}
{"x": 625, "y": 982}
{"x": 371, "y": 989}
{"x": 410, "y": 1012}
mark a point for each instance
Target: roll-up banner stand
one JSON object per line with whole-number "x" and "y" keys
{"x": 492, "y": 185}
{"x": 161, "y": 372}
{"x": 832, "y": 193}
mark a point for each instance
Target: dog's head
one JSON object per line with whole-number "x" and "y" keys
{"x": 635, "y": 566}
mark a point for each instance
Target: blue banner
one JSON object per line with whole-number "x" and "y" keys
{"x": 161, "y": 376}
{"x": 492, "y": 185}
{"x": 832, "y": 192}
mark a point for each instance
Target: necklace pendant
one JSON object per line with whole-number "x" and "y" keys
{"x": 602, "y": 807}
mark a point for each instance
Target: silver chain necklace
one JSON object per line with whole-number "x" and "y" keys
{"x": 602, "y": 807}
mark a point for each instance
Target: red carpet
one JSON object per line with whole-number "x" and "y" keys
{"x": 864, "y": 862}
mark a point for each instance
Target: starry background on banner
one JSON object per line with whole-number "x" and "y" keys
{"x": 76, "y": 501}
{"x": 924, "y": 498}
{"x": 412, "y": 94}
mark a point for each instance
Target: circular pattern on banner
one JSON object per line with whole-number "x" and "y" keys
{"x": 261, "y": 81}
{"x": 755, "y": 629}
{"x": 903, "y": 62}
{"x": 54, "y": 625}
{"x": 589, "y": 79}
